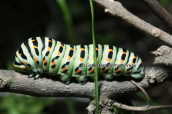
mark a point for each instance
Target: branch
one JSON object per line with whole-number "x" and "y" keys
{"x": 158, "y": 10}
{"x": 11, "y": 81}
{"x": 116, "y": 9}
{"x": 159, "y": 72}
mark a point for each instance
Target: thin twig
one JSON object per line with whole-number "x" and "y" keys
{"x": 116, "y": 9}
{"x": 161, "y": 12}
{"x": 142, "y": 108}
{"x": 147, "y": 96}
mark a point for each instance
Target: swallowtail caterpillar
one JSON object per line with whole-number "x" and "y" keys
{"x": 39, "y": 55}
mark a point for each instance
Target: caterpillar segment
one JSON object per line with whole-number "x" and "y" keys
{"x": 66, "y": 65}
{"x": 19, "y": 65}
{"x": 139, "y": 70}
{"x": 90, "y": 64}
{"x": 79, "y": 67}
{"x": 133, "y": 58}
{"x": 108, "y": 58}
{"x": 35, "y": 45}
{"x": 120, "y": 61}
{"x": 47, "y": 50}
{"x": 25, "y": 58}
{"x": 40, "y": 55}
{"x": 56, "y": 58}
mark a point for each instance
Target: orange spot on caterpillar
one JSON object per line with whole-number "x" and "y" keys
{"x": 53, "y": 63}
{"x": 26, "y": 63}
{"x": 122, "y": 61}
{"x": 61, "y": 45}
{"x": 117, "y": 70}
{"x": 36, "y": 59}
{"x": 141, "y": 62}
{"x": 78, "y": 71}
{"x": 34, "y": 47}
{"x": 33, "y": 40}
{"x": 132, "y": 63}
{"x": 91, "y": 70}
{"x": 64, "y": 69}
{"x": 71, "y": 48}
{"x": 81, "y": 59}
{"x": 15, "y": 66}
{"x": 58, "y": 53}
{"x": 82, "y": 49}
{"x": 110, "y": 50}
{"x": 45, "y": 60}
{"x": 96, "y": 48}
{"x": 105, "y": 70}
{"x": 128, "y": 72}
{"x": 22, "y": 68}
{"x": 20, "y": 54}
{"x": 108, "y": 59}
{"x": 135, "y": 57}
{"x": 50, "y": 41}
{"x": 93, "y": 58}
{"x": 123, "y": 52}
{"x": 49, "y": 48}
{"x": 68, "y": 58}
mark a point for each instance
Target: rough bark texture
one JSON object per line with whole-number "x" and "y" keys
{"x": 158, "y": 10}
{"x": 116, "y": 9}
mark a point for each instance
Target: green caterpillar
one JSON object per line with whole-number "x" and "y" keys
{"x": 39, "y": 55}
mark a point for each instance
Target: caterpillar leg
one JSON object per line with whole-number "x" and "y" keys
{"x": 37, "y": 76}
{"x": 66, "y": 82}
{"x": 65, "y": 78}
{"x": 82, "y": 79}
{"x": 31, "y": 75}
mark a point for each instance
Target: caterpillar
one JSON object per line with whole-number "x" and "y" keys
{"x": 39, "y": 55}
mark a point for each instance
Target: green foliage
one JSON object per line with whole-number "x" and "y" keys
{"x": 95, "y": 61}
{"x": 71, "y": 105}
{"x": 164, "y": 2}
{"x": 68, "y": 19}
{"x": 10, "y": 65}
{"x": 105, "y": 38}
{"x": 19, "y": 104}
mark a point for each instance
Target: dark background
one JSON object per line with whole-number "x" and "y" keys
{"x": 20, "y": 20}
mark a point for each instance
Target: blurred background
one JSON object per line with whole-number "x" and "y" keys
{"x": 69, "y": 21}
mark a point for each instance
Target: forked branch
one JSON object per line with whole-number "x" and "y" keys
{"x": 158, "y": 10}
{"x": 116, "y": 9}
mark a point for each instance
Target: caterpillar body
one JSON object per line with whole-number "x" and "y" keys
{"x": 39, "y": 55}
